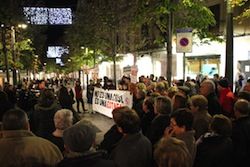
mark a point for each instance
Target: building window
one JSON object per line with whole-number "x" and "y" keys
{"x": 205, "y": 65}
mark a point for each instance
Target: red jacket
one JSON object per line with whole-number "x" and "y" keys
{"x": 78, "y": 91}
{"x": 226, "y": 101}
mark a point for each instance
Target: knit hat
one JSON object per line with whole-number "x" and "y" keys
{"x": 80, "y": 137}
{"x": 223, "y": 83}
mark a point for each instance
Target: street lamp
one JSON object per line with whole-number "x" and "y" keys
{"x": 23, "y": 26}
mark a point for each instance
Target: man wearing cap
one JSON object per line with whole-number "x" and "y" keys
{"x": 226, "y": 97}
{"x": 19, "y": 147}
{"x": 79, "y": 140}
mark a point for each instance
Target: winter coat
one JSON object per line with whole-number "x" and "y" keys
{"x": 146, "y": 120}
{"x": 226, "y": 101}
{"x": 44, "y": 119}
{"x": 21, "y": 148}
{"x": 241, "y": 141}
{"x": 133, "y": 150}
{"x": 213, "y": 104}
{"x": 201, "y": 123}
{"x": 189, "y": 140}
{"x": 90, "y": 159}
{"x": 213, "y": 150}
{"x": 157, "y": 127}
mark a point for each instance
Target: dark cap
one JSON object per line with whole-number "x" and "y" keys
{"x": 184, "y": 89}
{"x": 80, "y": 137}
{"x": 223, "y": 83}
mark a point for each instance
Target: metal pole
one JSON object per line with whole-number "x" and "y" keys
{"x": 116, "y": 42}
{"x": 169, "y": 48}
{"x": 5, "y": 54}
{"x": 184, "y": 65}
{"x": 13, "y": 41}
{"x": 229, "y": 44}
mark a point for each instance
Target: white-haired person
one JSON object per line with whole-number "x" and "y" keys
{"x": 63, "y": 119}
{"x": 208, "y": 89}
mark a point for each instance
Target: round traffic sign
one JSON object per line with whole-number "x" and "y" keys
{"x": 184, "y": 41}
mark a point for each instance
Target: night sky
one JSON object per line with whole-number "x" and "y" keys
{"x": 55, "y": 32}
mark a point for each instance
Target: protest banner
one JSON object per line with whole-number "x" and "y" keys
{"x": 104, "y": 101}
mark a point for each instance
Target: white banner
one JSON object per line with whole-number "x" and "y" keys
{"x": 104, "y": 101}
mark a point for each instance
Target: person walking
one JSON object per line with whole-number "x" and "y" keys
{"x": 78, "y": 96}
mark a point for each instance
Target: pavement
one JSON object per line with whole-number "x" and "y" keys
{"x": 102, "y": 122}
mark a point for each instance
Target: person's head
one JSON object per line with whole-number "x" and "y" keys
{"x": 141, "y": 86}
{"x": 172, "y": 91}
{"x": 223, "y": 84}
{"x": 151, "y": 86}
{"x": 172, "y": 152}
{"x": 207, "y": 87}
{"x": 221, "y": 125}
{"x": 15, "y": 119}
{"x": 160, "y": 87}
{"x": 78, "y": 83}
{"x": 152, "y": 76}
{"x": 216, "y": 77}
{"x": 244, "y": 95}
{"x": 63, "y": 119}
{"x": 185, "y": 90}
{"x": 80, "y": 137}
{"x": 148, "y": 104}
{"x": 247, "y": 87}
{"x": 42, "y": 85}
{"x": 241, "y": 108}
{"x": 63, "y": 91}
{"x": 198, "y": 103}
{"x": 163, "y": 105}
{"x": 161, "y": 78}
{"x": 91, "y": 81}
{"x": 181, "y": 121}
{"x": 46, "y": 98}
{"x": 140, "y": 94}
{"x": 127, "y": 120}
{"x": 179, "y": 101}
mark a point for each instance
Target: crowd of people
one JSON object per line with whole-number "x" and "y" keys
{"x": 193, "y": 123}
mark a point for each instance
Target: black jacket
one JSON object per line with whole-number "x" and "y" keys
{"x": 157, "y": 128}
{"x": 213, "y": 104}
{"x": 241, "y": 141}
{"x": 146, "y": 120}
{"x": 94, "y": 159}
{"x": 110, "y": 139}
{"x": 214, "y": 150}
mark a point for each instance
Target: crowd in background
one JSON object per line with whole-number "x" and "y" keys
{"x": 197, "y": 122}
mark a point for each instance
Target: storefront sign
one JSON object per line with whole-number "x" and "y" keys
{"x": 104, "y": 101}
